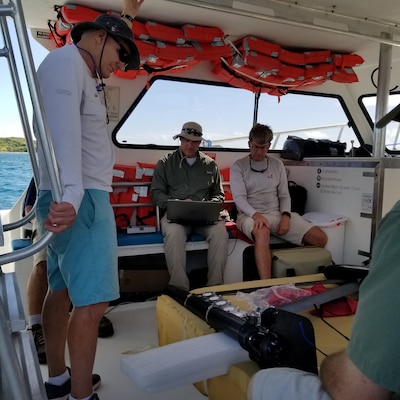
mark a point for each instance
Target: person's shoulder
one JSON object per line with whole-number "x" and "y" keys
{"x": 389, "y": 224}
{"x": 275, "y": 160}
{"x": 206, "y": 159}
{"x": 61, "y": 57}
{"x": 396, "y": 208}
{"x": 168, "y": 156}
{"x": 205, "y": 156}
{"x": 240, "y": 162}
{"x": 61, "y": 52}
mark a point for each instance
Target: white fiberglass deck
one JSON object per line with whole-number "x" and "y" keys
{"x": 135, "y": 328}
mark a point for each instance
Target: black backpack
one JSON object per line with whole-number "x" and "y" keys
{"x": 298, "y": 195}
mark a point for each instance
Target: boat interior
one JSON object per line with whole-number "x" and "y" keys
{"x": 317, "y": 73}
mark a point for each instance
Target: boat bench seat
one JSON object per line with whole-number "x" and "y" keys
{"x": 18, "y": 244}
{"x": 149, "y": 238}
{"x": 125, "y": 239}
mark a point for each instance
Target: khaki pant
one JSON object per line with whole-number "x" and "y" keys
{"x": 175, "y": 237}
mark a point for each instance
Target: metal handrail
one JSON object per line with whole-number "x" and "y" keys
{"x": 33, "y": 248}
{"x": 17, "y": 387}
{"x": 15, "y": 11}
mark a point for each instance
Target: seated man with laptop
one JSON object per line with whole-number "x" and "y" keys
{"x": 188, "y": 177}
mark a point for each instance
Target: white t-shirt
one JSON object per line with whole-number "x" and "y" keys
{"x": 265, "y": 191}
{"x": 76, "y": 117}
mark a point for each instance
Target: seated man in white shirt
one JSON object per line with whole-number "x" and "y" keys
{"x": 260, "y": 190}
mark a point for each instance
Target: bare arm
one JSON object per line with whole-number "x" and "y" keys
{"x": 344, "y": 381}
{"x": 131, "y": 8}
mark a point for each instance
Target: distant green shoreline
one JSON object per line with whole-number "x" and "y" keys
{"x": 13, "y": 145}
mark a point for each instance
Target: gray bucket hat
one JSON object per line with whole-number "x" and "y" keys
{"x": 117, "y": 29}
{"x": 191, "y": 131}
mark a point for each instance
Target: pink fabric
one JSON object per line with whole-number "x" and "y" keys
{"x": 335, "y": 308}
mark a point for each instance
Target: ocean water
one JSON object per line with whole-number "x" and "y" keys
{"x": 15, "y": 175}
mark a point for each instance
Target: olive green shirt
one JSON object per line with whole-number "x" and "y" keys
{"x": 375, "y": 342}
{"x": 174, "y": 178}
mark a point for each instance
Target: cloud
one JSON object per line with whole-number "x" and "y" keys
{"x": 11, "y": 130}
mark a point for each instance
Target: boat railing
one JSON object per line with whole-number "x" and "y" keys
{"x": 21, "y": 377}
{"x": 14, "y": 10}
{"x": 305, "y": 133}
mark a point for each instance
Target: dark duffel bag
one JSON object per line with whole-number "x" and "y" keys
{"x": 298, "y": 196}
{"x": 296, "y": 148}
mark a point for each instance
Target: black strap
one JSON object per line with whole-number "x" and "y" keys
{"x": 141, "y": 220}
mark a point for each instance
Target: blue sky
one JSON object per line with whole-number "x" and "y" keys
{"x": 10, "y": 121}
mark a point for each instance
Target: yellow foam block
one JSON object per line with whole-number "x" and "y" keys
{"x": 233, "y": 385}
{"x": 177, "y": 323}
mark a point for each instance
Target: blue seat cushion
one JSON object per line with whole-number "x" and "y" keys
{"x": 149, "y": 238}
{"x": 20, "y": 243}
{"x": 195, "y": 237}
{"x": 141, "y": 238}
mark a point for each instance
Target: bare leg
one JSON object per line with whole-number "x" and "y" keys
{"x": 82, "y": 341}
{"x": 55, "y": 322}
{"x": 262, "y": 251}
{"x": 315, "y": 237}
{"x": 37, "y": 288}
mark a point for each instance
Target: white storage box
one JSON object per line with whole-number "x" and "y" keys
{"x": 334, "y": 226}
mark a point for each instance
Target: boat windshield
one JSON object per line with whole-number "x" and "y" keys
{"x": 226, "y": 114}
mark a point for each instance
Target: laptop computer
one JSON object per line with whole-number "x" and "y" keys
{"x": 193, "y": 212}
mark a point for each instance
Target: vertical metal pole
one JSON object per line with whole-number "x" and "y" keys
{"x": 9, "y": 364}
{"x": 42, "y": 131}
{"x": 382, "y": 95}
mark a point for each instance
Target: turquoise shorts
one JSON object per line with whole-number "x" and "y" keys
{"x": 83, "y": 258}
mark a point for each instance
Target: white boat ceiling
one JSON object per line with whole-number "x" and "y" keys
{"x": 346, "y": 27}
{"x": 355, "y": 21}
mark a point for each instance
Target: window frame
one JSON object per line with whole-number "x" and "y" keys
{"x": 370, "y": 118}
{"x": 151, "y": 82}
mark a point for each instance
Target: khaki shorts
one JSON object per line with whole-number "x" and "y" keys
{"x": 298, "y": 226}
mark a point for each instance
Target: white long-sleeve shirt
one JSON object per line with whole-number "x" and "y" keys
{"x": 76, "y": 118}
{"x": 264, "y": 192}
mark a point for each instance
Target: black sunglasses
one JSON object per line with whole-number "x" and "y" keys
{"x": 123, "y": 53}
{"x": 259, "y": 170}
{"x": 192, "y": 131}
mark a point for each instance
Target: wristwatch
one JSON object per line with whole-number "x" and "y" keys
{"x": 128, "y": 17}
{"x": 287, "y": 214}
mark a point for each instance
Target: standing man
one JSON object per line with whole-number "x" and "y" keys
{"x": 82, "y": 258}
{"x": 260, "y": 190}
{"x": 189, "y": 174}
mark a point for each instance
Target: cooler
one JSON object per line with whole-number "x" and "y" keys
{"x": 333, "y": 225}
